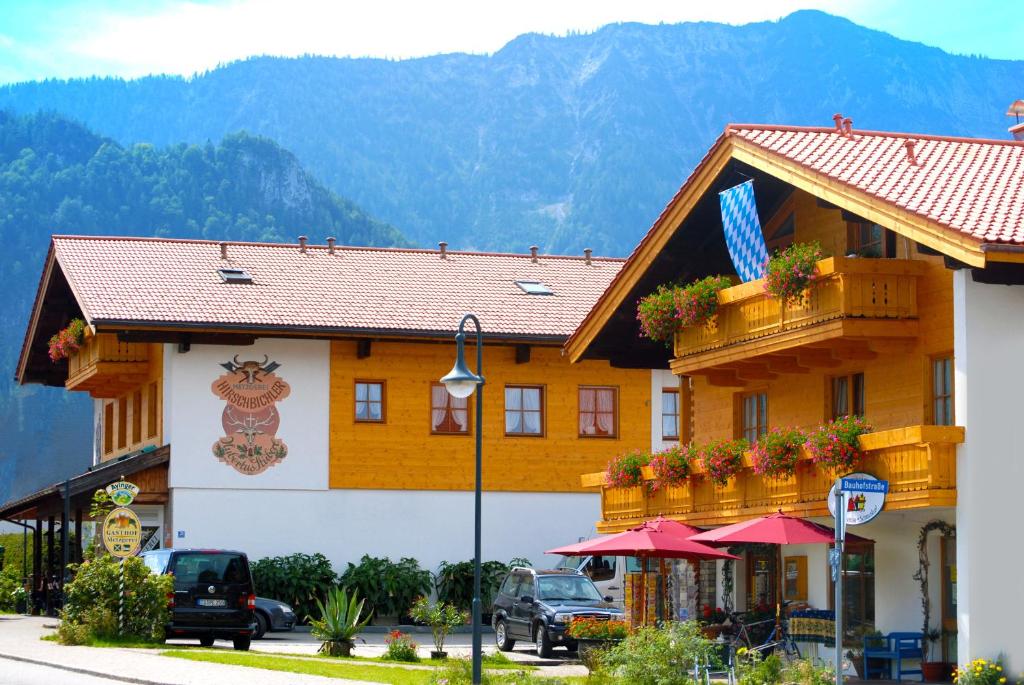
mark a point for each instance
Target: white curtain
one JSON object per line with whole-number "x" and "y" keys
{"x": 513, "y": 407}
{"x": 531, "y": 410}
{"x": 460, "y": 412}
{"x": 587, "y": 411}
{"x": 605, "y": 411}
{"x": 438, "y": 406}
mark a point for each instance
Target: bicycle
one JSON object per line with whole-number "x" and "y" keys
{"x": 779, "y": 637}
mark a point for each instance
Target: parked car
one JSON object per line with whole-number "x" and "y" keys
{"x": 539, "y": 605}
{"x": 272, "y": 616}
{"x": 213, "y": 594}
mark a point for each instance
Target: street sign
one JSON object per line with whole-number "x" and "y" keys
{"x": 122, "y": 493}
{"x": 122, "y": 532}
{"x": 865, "y": 485}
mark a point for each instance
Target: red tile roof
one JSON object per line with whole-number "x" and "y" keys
{"x": 969, "y": 185}
{"x": 161, "y": 282}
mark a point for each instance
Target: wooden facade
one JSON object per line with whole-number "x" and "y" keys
{"x": 402, "y": 452}
{"x": 132, "y": 419}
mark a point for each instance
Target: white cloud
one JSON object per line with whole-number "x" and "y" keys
{"x": 187, "y": 37}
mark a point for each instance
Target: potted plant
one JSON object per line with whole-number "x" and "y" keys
{"x": 67, "y": 340}
{"x": 442, "y": 619}
{"x": 790, "y": 272}
{"x": 594, "y": 635}
{"x": 723, "y": 459}
{"x": 855, "y": 654}
{"x": 339, "y": 622}
{"x": 712, "y": 622}
{"x": 835, "y": 445}
{"x": 775, "y": 453}
{"x": 933, "y": 671}
{"x": 627, "y": 470}
{"x": 671, "y": 466}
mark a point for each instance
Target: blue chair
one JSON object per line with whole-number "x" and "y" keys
{"x": 893, "y": 648}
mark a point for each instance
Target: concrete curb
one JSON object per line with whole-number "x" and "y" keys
{"x": 378, "y": 630}
{"x": 82, "y": 671}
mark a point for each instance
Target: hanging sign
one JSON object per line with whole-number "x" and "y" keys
{"x": 865, "y": 497}
{"x": 122, "y": 493}
{"x": 122, "y": 533}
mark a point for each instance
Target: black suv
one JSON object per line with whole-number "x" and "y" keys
{"x": 213, "y": 594}
{"x": 538, "y": 606}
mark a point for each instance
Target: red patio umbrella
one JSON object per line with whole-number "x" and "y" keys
{"x": 677, "y": 527}
{"x": 651, "y": 539}
{"x": 778, "y": 529}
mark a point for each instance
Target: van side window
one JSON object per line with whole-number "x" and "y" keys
{"x": 526, "y": 588}
{"x": 602, "y": 568}
{"x": 509, "y": 586}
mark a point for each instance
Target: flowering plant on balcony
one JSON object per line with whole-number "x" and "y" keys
{"x": 657, "y": 314}
{"x": 834, "y": 445}
{"x": 776, "y": 452}
{"x": 789, "y": 272}
{"x": 697, "y": 302}
{"x": 723, "y": 459}
{"x": 626, "y": 471}
{"x": 671, "y": 466}
{"x": 67, "y": 340}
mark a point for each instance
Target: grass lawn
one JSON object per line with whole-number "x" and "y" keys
{"x": 331, "y": 669}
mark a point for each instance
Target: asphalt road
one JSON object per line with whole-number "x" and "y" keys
{"x": 21, "y": 673}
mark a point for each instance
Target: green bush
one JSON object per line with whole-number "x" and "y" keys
{"x": 341, "y": 620}
{"x": 659, "y": 656}
{"x": 11, "y": 542}
{"x": 401, "y": 647}
{"x": 10, "y": 582}
{"x": 442, "y": 619}
{"x": 296, "y": 579}
{"x": 389, "y": 588}
{"x": 753, "y": 668}
{"x": 455, "y": 582}
{"x": 91, "y": 602}
{"x": 805, "y": 672}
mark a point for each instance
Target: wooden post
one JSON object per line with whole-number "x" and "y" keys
{"x": 37, "y": 561}
{"x": 643, "y": 591}
{"x": 78, "y": 535}
{"x": 51, "y": 560}
{"x": 666, "y": 613}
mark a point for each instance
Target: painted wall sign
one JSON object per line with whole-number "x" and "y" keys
{"x": 122, "y": 532}
{"x": 122, "y": 493}
{"x": 862, "y": 505}
{"x": 250, "y": 420}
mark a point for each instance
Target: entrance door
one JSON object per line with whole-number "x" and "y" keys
{"x": 762, "y": 579}
{"x": 948, "y": 598}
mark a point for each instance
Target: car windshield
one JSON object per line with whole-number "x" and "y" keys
{"x": 570, "y": 563}
{"x": 567, "y": 588}
{"x": 206, "y": 567}
{"x": 156, "y": 561}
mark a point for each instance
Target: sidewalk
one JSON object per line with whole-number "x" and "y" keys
{"x": 20, "y": 640}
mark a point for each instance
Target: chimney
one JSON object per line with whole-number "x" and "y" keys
{"x": 302, "y": 244}
{"x": 848, "y": 126}
{"x": 1016, "y": 110}
{"x": 223, "y": 250}
{"x": 330, "y": 244}
{"x": 443, "y": 246}
{"x": 586, "y": 255}
{"x": 911, "y": 157}
{"x": 838, "y": 118}
{"x": 533, "y": 253}
{"x": 1017, "y": 131}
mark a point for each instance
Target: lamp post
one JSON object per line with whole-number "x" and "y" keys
{"x": 461, "y": 382}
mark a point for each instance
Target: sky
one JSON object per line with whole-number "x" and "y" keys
{"x": 131, "y": 38}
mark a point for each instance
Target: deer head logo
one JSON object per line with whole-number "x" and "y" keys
{"x": 252, "y": 369}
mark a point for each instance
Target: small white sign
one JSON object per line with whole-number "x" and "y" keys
{"x": 862, "y": 506}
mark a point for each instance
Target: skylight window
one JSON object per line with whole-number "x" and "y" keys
{"x": 534, "y": 288}
{"x": 234, "y": 275}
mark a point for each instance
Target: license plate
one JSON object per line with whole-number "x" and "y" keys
{"x": 211, "y": 602}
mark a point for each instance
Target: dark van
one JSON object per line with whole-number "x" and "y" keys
{"x": 213, "y": 594}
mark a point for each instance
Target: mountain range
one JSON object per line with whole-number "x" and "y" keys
{"x": 564, "y": 142}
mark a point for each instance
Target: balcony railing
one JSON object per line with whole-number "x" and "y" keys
{"x": 877, "y": 296}
{"x": 918, "y": 461}
{"x": 106, "y": 367}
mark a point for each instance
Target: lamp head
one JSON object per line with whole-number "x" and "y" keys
{"x": 460, "y": 381}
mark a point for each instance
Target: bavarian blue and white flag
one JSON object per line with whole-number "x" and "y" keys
{"x": 743, "y": 234}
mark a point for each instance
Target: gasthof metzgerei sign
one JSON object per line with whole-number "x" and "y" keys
{"x": 251, "y": 390}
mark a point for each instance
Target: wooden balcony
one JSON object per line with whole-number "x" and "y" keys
{"x": 854, "y": 303}
{"x": 918, "y": 461}
{"x": 105, "y": 367}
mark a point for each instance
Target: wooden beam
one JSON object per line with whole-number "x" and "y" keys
{"x": 363, "y": 348}
{"x": 724, "y": 379}
{"x": 813, "y": 357}
{"x": 783, "y": 363}
{"x": 522, "y": 354}
{"x": 853, "y": 350}
{"x": 753, "y": 371}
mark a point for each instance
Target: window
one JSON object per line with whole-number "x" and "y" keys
{"x": 448, "y": 414}
{"x": 669, "y": 414}
{"x": 534, "y": 288}
{"x": 858, "y": 587}
{"x": 137, "y": 417}
{"x": 598, "y": 412}
{"x": 870, "y": 240}
{"x": 525, "y": 588}
{"x": 524, "y": 410}
{"x": 753, "y": 415}
{"x": 942, "y": 391}
{"x": 370, "y": 401}
{"x": 234, "y": 275}
{"x": 601, "y": 568}
{"x": 848, "y": 395}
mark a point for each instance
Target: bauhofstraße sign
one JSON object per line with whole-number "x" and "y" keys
{"x": 122, "y": 530}
{"x": 865, "y": 497}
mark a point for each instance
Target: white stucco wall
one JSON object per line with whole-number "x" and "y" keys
{"x": 660, "y": 379}
{"x": 988, "y": 340}
{"x": 345, "y": 524}
{"x": 192, "y": 415}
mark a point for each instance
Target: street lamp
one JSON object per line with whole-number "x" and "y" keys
{"x": 461, "y": 382}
